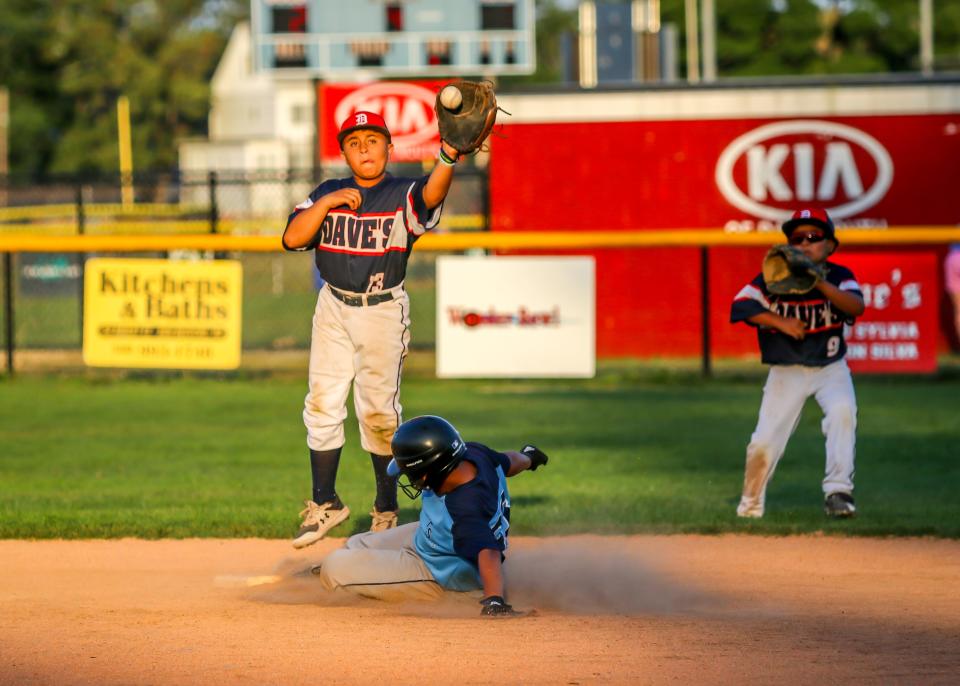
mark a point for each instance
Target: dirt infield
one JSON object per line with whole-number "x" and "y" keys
{"x": 687, "y": 609}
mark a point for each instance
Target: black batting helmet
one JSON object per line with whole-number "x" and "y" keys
{"x": 425, "y": 449}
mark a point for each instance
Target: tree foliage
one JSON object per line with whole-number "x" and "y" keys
{"x": 807, "y": 37}
{"x": 784, "y": 37}
{"x": 66, "y": 62}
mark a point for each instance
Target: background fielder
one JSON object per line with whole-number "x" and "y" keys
{"x": 801, "y": 338}
{"x": 363, "y": 229}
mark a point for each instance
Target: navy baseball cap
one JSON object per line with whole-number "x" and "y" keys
{"x": 811, "y": 217}
{"x": 362, "y": 120}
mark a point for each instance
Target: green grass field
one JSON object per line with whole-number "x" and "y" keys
{"x": 223, "y": 457}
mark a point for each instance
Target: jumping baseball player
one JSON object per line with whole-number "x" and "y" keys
{"x": 801, "y": 338}
{"x": 363, "y": 229}
{"x": 460, "y": 540}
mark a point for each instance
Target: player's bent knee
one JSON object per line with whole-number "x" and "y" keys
{"x": 319, "y": 406}
{"x": 758, "y": 451}
{"x": 843, "y": 416}
{"x": 359, "y": 541}
{"x": 378, "y": 420}
{"x": 379, "y": 424}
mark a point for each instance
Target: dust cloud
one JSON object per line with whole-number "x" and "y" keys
{"x": 299, "y": 586}
{"x": 593, "y": 575}
{"x": 571, "y": 575}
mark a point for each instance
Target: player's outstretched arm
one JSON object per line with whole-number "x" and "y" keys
{"x": 302, "y": 228}
{"x": 490, "y": 567}
{"x": 438, "y": 185}
{"x": 530, "y": 458}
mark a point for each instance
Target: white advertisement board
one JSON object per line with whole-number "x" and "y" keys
{"x": 515, "y": 317}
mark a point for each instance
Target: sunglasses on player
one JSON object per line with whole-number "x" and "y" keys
{"x": 798, "y": 237}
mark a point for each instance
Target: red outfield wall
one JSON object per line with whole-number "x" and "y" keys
{"x": 734, "y": 159}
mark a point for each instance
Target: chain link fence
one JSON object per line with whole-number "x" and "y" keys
{"x": 41, "y": 294}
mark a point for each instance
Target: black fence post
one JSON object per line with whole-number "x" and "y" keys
{"x": 81, "y": 214}
{"x": 214, "y": 212}
{"x": 8, "y": 308}
{"x": 705, "y": 308}
{"x": 81, "y": 256}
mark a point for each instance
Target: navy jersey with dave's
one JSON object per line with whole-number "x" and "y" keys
{"x": 366, "y": 250}
{"x": 823, "y": 343}
{"x": 475, "y": 516}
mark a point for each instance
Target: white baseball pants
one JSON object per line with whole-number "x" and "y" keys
{"x": 364, "y": 346}
{"x": 784, "y": 394}
{"x": 382, "y": 565}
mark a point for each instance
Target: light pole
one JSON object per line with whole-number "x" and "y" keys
{"x": 588, "y": 44}
{"x": 926, "y": 37}
{"x": 708, "y": 22}
{"x": 126, "y": 154}
{"x": 693, "y": 41}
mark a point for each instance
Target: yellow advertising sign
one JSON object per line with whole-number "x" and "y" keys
{"x": 161, "y": 314}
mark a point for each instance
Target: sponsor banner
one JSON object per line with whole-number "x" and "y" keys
{"x": 898, "y": 330}
{"x": 45, "y": 274}
{"x": 160, "y": 314}
{"x": 736, "y": 174}
{"x": 726, "y": 173}
{"x": 406, "y": 107}
{"x": 515, "y": 317}
{"x": 770, "y": 170}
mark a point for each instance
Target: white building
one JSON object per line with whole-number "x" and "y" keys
{"x": 258, "y": 125}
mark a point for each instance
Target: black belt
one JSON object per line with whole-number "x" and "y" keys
{"x": 360, "y": 300}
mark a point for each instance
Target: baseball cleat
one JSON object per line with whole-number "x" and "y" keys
{"x": 317, "y": 521}
{"x": 381, "y": 521}
{"x": 839, "y": 505}
{"x": 749, "y": 510}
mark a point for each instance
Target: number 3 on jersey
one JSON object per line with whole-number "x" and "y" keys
{"x": 376, "y": 283}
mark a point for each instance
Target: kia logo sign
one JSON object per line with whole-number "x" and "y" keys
{"x": 798, "y": 162}
{"x": 406, "y": 108}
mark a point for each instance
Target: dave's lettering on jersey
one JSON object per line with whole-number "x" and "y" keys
{"x": 347, "y": 231}
{"x": 816, "y": 314}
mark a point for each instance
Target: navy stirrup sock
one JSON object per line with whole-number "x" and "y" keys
{"x": 386, "y": 485}
{"x": 323, "y": 465}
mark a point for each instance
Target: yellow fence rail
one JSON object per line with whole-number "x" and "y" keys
{"x": 61, "y": 210}
{"x": 124, "y": 225}
{"x": 453, "y": 242}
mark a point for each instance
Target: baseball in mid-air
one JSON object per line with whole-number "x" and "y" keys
{"x": 450, "y": 97}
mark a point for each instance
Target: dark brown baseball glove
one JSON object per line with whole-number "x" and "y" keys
{"x": 787, "y": 270}
{"x": 467, "y": 127}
